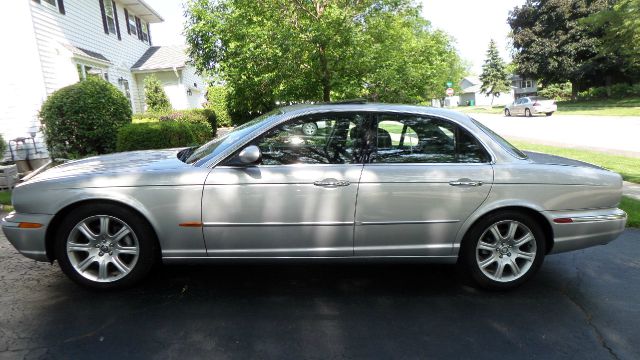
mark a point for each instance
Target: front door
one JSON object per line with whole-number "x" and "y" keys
{"x": 299, "y": 201}
{"x": 426, "y": 176}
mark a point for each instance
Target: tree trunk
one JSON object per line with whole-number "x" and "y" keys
{"x": 326, "y": 77}
{"x": 574, "y": 89}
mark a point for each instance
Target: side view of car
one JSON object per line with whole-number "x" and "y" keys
{"x": 371, "y": 181}
{"x": 531, "y": 105}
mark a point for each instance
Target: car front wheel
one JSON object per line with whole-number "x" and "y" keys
{"x": 507, "y": 112}
{"x": 104, "y": 246}
{"x": 527, "y": 112}
{"x": 549, "y": 114}
{"x": 503, "y": 250}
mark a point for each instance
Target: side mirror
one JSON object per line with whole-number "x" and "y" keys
{"x": 249, "y": 155}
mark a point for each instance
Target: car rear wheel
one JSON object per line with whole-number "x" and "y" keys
{"x": 309, "y": 128}
{"x": 104, "y": 246}
{"x": 503, "y": 250}
{"x": 527, "y": 112}
{"x": 507, "y": 112}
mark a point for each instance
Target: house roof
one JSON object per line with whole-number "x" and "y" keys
{"x": 474, "y": 82}
{"x": 142, "y": 10}
{"x": 162, "y": 57}
{"x": 87, "y": 54}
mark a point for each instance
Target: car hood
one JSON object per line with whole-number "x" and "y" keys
{"x": 119, "y": 163}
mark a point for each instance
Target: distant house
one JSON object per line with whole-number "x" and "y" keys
{"x": 64, "y": 41}
{"x": 523, "y": 86}
{"x": 470, "y": 93}
{"x": 170, "y": 64}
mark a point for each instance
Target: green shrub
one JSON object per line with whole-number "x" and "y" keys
{"x": 83, "y": 119}
{"x": 3, "y": 147}
{"x": 154, "y": 95}
{"x": 556, "y": 91}
{"x": 162, "y": 135}
{"x": 615, "y": 91}
{"x": 217, "y": 101}
{"x": 196, "y": 116}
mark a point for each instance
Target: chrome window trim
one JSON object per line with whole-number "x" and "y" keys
{"x": 283, "y": 117}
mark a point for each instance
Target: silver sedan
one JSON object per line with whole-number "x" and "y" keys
{"x": 372, "y": 181}
{"x": 532, "y": 105}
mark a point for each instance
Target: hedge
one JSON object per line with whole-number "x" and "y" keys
{"x": 196, "y": 116}
{"x": 83, "y": 119}
{"x": 162, "y": 135}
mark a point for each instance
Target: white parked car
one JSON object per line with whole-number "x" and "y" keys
{"x": 531, "y": 105}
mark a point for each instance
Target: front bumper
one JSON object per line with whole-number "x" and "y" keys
{"x": 587, "y": 228}
{"x": 29, "y": 242}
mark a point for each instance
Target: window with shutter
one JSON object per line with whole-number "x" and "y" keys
{"x": 110, "y": 17}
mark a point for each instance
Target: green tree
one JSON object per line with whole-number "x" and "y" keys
{"x": 621, "y": 37}
{"x": 217, "y": 101}
{"x": 154, "y": 95}
{"x": 3, "y": 147}
{"x": 280, "y": 51}
{"x": 551, "y": 42}
{"x": 494, "y": 77}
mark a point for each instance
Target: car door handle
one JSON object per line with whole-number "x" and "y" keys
{"x": 465, "y": 182}
{"x": 331, "y": 183}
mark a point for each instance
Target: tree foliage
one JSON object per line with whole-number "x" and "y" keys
{"x": 3, "y": 147}
{"x": 494, "y": 77}
{"x": 621, "y": 36}
{"x": 83, "y": 119}
{"x": 217, "y": 101}
{"x": 553, "y": 43}
{"x": 281, "y": 51}
{"x": 154, "y": 95}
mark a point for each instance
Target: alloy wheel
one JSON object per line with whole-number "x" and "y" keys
{"x": 102, "y": 248}
{"x": 506, "y": 251}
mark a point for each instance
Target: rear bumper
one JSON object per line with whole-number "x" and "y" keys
{"x": 543, "y": 109}
{"x": 30, "y": 242}
{"x": 587, "y": 228}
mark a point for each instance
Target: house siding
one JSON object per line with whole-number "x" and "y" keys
{"x": 175, "y": 86}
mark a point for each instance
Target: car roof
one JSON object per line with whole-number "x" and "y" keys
{"x": 377, "y": 107}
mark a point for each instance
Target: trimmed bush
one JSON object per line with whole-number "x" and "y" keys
{"x": 162, "y": 135}
{"x": 615, "y": 91}
{"x": 217, "y": 101}
{"x": 196, "y": 116}
{"x": 83, "y": 119}
{"x": 154, "y": 95}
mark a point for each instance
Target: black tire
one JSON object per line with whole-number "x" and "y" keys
{"x": 549, "y": 114}
{"x": 469, "y": 263}
{"x": 148, "y": 249}
{"x": 507, "y": 112}
{"x": 527, "y": 113}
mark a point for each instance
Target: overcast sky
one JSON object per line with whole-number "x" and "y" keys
{"x": 471, "y": 22}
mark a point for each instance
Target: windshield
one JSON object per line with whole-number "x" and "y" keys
{"x": 219, "y": 144}
{"x": 500, "y": 140}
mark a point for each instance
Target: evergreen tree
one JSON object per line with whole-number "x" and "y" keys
{"x": 155, "y": 97}
{"x": 494, "y": 77}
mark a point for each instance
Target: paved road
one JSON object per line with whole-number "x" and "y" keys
{"x": 582, "y": 305}
{"x": 616, "y": 134}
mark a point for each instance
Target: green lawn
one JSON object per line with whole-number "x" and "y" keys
{"x": 5, "y": 198}
{"x": 614, "y": 107}
{"x": 632, "y": 207}
{"x": 628, "y": 167}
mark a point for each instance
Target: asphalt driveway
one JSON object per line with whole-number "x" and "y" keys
{"x": 582, "y": 305}
{"x": 613, "y": 134}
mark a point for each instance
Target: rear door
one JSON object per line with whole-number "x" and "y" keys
{"x": 425, "y": 177}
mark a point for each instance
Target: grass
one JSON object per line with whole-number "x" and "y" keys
{"x": 632, "y": 207}
{"x": 5, "y": 198}
{"x": 611, "y": 107}
{"x": 628, "y": 167}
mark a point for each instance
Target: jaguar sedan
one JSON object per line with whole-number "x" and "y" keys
{"x": 372, "y": 181}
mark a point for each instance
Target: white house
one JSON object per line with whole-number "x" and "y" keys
{"x": 55, "y": 43}
{"x": 470, "y": 92}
